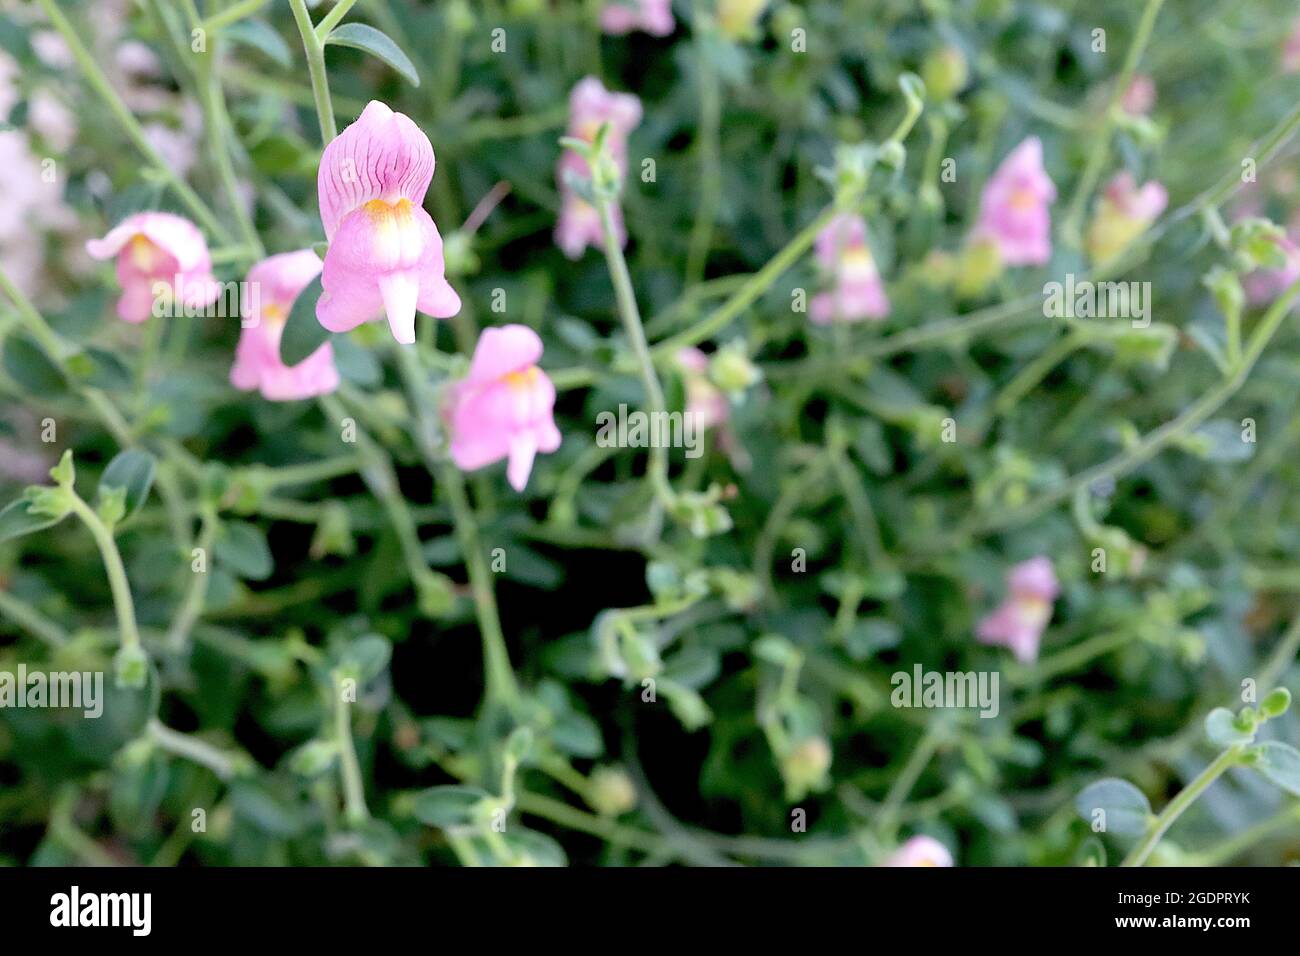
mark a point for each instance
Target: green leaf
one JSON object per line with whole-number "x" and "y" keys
{"x": 356, "y": 364}
{"x": 1222, "y": 730}
{"x": 376, "y": 43}
{"x": 303, "y": 334}
{"x": 17, "y": 520}
{"x": 243, "y": 550}
{"x": 1280, "y": 763}
{"x": 1126, "y": 807}
{"x": 577, "y": 735}
{"x": 133, "y": 471}
{"x": 449, "y": 806}
{"x": 368, "y": 655}
{"x": 28, "y": 366}
{"x": 259, "y": 35}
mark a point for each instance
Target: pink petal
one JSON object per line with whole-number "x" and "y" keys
{"x": 383, "y": 155}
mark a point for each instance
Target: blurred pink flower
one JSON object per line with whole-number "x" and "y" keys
{"x": 1291, "y": 50}
{"x": 1014, "y": 208}
{"x": 1124, "y": 212}
{"x": 1140, "y": 96}
{"x": 274, "y": 284}
{"x": 385, "y": 253}
{"x": 704, "y": 400}
{"x": 1018, "y": 622}
{"x": 921, "y": 851}
{"x": 652, "y": 16}
{"x": 157, "y": 247}
{"x": 856, "y": 291}
{"x": 504, "y": 407}
{"x": 1265, "y": 285}
{"x": 591, "y": 106}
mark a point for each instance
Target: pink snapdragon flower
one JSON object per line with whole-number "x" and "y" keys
{"x": 1018, "y": 622}
{"x": 275, "y": 284}
{"x": 1124, "y": 212}
{"x": 921, "y": 851}
{"x": 654, "y": 17}
{"x": 385, "y": 253}
{"x": 1014, "y": 207}
{"x": 591, "y": 106}
{"x": 504, "y": 407}
{"x": 856, "y": 292}
{"x": 158, "y": 254}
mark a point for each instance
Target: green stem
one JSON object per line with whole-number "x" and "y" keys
{"x": 710, "y": 167}
{"x": 122, "y": 113}
{"x": 218, "y": 131}
{"x": 1179, "y": 804}
{"x": 332, "y": 19}
{"x": 630, "y": 313}
{"x": 917, "y": 761}
{"x": 501, "y": 686}
{"x": 225, "y": 765}
{"x": 381, "y": 479}
{"x": 1035, "y": 372}
{"x": 354, "y": 794}
{"x": 124, "y": 606}
{"x": 32, "y": 620}
{"x": 747, "y": 294}
{"x": 1071, "y": 230}
{"x": 232, "y": 14}
{"x": 187, "y": 614}
{"x": 1160, "y": 437}
{"x": 320, "y": 88}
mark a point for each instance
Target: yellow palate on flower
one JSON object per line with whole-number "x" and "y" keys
{"x": 144, "y": 254}
{"x": 396, "y": 235}
{"x": 274, "y": 313}
{"x": 522, "y": 380}
{"x": 1023, "y": 199}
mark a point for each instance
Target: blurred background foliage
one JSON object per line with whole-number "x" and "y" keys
{"x": 835, "y": 454}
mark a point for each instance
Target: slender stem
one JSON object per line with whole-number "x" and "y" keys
{"x": 747, "y": 294}
{"x": 224, "y": 764}
{"x": 381, "y": 479}
{"x": 1157, "y": 439}
{"x": 1071, "y": 228}
{"x": 233, "y": 13}
{"x": 187, "y": 614}
{"x": 1288, "y": 818}
{"x": 1224, "y": 762}
{"x": 31, "y": 619}
{"x": 1033, "y": 373}
{"x": 354, "y": 794}
{"x": 1071, "y": 658}
{"x": 1283, "y": 656}
{"x": 320, "y": 88}
{"x": 630, "y": 313}
{"x": 332, "y": 19}
{"x": 500, "y": 678}
{"x": 312, "y": 471}
{"x": 218, "y": 129}
{"x": 124, "y": 606}
{"x": 917, "y": 761}
{"x": 122, "y": 113}
{"x": 710, "y": 165}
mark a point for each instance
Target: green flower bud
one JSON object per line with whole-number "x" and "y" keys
{"x": 1276, "y": 703}
{"x": 806, "y": 766}
{"x": 131, "y": 667}
{"x": 610, "y": 792}
{"x": 945, "y": 72}
{"x": 732, "y": 371}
